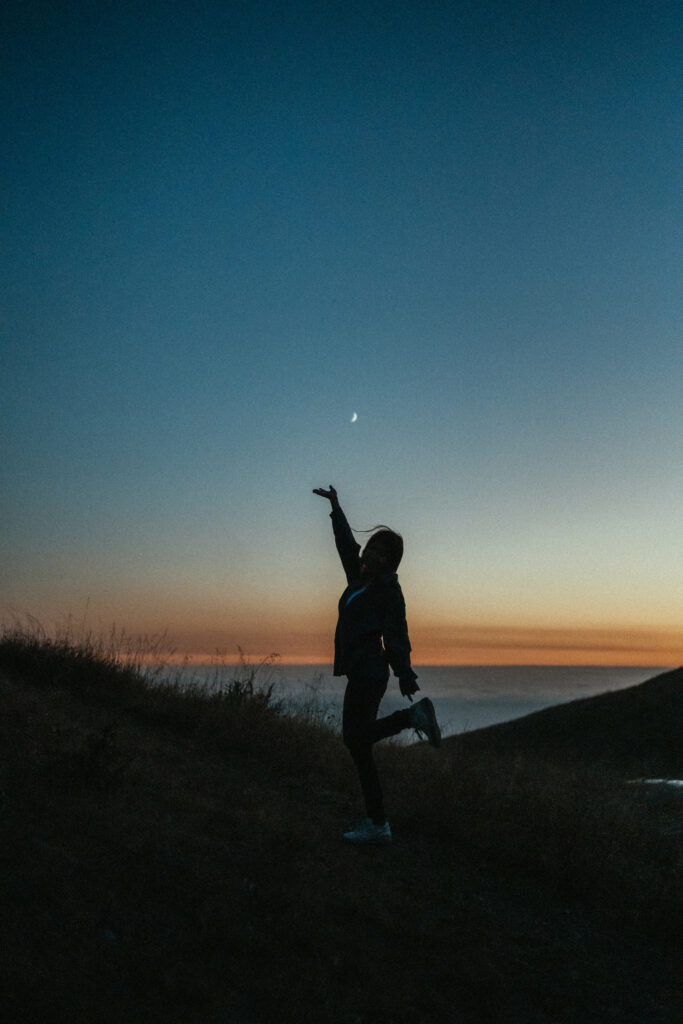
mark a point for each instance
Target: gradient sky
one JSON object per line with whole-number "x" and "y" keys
{"x": 230, "y": 225}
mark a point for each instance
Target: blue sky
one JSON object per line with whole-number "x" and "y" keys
{"x": 228, "y": 226}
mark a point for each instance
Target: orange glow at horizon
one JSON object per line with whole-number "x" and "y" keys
{"x": 303, "y": 633}
{"x": 480, "y": 645}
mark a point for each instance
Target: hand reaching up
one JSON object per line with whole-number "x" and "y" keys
{"x": 331, "y": 495}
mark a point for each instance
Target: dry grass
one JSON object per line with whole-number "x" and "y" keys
{"x": 174, "y": 855}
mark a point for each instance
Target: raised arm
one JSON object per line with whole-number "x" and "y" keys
{"x": 347, "y": 546}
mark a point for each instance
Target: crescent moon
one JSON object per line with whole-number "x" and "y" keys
{"x": 354, "y": 417}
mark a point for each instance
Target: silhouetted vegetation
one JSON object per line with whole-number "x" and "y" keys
{"x": 174, "y": 854}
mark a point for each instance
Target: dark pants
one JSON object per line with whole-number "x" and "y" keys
{"x": 361, "y": 728}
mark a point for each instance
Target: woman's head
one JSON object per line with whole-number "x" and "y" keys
{"x": 383, "y": 552}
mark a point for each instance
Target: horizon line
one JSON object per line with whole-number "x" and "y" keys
{"x": 255, "y": 660}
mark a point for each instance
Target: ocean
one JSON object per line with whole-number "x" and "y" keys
{"x": 465, "y": 697}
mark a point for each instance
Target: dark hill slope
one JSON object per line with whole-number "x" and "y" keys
{"x": 175, "y": 856}
{"x": 638, "y": 730}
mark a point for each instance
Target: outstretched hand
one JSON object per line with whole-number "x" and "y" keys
{"x": 331, "y": 495}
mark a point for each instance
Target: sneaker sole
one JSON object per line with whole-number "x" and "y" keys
{"x": 368, "y": 842}
{"x": 378, "y": 841}
{"x": 434, "y": 733}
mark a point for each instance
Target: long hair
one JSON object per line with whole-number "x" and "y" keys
{"x": 391, "y": 542}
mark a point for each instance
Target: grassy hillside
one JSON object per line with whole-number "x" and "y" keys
{"x": 177, "y": 857}
{"x": 637, "y": 731}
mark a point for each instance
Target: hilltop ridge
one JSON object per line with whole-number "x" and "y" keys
{"x": 637, "y": 730}
{"x": 177, "y": 857}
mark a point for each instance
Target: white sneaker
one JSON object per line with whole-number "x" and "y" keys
{"x": 423, "y": 720}
{"x": 368, "y": 832}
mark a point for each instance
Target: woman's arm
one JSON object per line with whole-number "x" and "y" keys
{"x": 397, "y": 642}
{"x": 347, "y": 546}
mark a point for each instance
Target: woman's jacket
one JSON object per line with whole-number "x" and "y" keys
{"x": 371, "y": 633}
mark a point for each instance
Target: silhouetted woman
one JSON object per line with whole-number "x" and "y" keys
{"x": 371, "y": 635}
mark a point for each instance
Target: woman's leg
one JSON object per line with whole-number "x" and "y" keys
{"x": 391, "y": 725}
{"x": 361, "y": 729}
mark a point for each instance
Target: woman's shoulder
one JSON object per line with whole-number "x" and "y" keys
{"x": 387, "y": 585}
